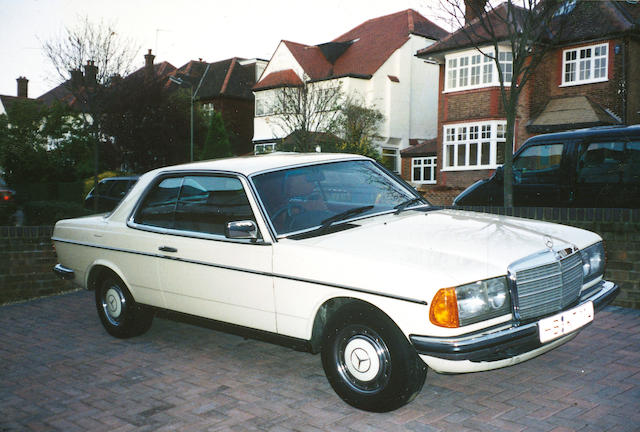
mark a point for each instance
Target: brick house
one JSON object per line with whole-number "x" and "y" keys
{"x": 374, "y": 62}
{"x": 591, "y": 78}
{"x": 226, "y": 87}
{"x": 223, "y": 86}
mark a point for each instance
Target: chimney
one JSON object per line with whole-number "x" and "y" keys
{"x": 23, "y": 87}
{"x": 148, "y": 63}
{"x": 473, "y": 9}
{"x": 76, "y": 78}
{"x": 90, "y": 73}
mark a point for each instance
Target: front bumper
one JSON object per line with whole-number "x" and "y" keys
{"x": 506, "y": 343}
{"x": 63, "y": 272}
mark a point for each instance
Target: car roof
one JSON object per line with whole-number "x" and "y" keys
{"x": 619, "y": 130}
{"x": 248, "y": 165}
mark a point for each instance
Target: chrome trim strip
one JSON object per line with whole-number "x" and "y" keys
{"x": 244, "y": 270}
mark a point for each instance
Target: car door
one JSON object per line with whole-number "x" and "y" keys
{"x": 204, "y": 273}
{"x": 608, "y": 172}
{"x": 540, "y": 176}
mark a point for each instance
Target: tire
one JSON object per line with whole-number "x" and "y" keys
{"x": 369, "y": 362}
{"x": 121, "y": 316}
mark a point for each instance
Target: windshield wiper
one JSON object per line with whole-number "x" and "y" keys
{"x": 403, "y": 205}
{"x": 344, "y": 215}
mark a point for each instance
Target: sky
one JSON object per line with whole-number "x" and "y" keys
{"x": 179, "y": 31}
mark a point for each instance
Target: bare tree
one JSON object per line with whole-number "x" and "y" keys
{"x": 525, "y": 31}
{"x": 104, "y": 54}
{"x": 307, "y": 111}
{"x": 112, "y": 53}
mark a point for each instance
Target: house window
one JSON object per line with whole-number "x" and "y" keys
{"x": 208, "y": 108}
{"x": 264, "y": 105}
{"x": 585, "y": 65}
{"x": 472, "y": 69}
{"x": 423, "y": 170}
{"x": 264, "y": 148}
{"x": 390, "y": 158}
{"x": 505, "y": 58}
{"x": 472, "y": 146}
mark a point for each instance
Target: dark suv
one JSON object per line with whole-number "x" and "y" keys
{"x": 109, "y": 193}
{"x": 597, "y": 167}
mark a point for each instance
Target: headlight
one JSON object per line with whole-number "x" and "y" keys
{"x": 593, "y": 262}
{"x": 470, "y": 303}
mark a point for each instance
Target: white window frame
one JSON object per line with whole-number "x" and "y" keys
{"x": 462, "y": 136}
{"x": 429, "y": 162}
{"x": 263, "y": 104}
{"x": 264, "y": 148}
{"x": 583, "y": 61}
{"x": 472, "y": 69}
{"x": 394, "y": 153}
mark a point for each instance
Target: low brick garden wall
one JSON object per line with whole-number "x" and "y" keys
{"x": 27, "y": 256}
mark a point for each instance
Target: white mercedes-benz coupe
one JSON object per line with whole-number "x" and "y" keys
{"x": 334, "y": 253}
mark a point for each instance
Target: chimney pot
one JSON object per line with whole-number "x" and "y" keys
{"x": 23, "y": 87}
{"x": 148, "y": 64}
{"x": 90, "y": 73}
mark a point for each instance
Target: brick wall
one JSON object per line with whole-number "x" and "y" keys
{"x": 26, "y": 262}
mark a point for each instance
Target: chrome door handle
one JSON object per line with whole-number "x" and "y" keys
{"x": 167, "y": 249}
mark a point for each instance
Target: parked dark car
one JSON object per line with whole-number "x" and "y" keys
{"x": 6, "y": 194}
{"x": 109, "y": 193}
{"x": 597, "y": 167}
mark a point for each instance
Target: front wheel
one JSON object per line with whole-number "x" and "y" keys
{"x": 118, "y": 311}
{"x": 368, "y": 361}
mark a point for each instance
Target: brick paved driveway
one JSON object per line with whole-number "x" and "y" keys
{"x": 59, "y": 370}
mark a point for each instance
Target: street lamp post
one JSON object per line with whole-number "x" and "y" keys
{"x": 183, "y": 83}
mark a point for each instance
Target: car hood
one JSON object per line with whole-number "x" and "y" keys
{"x": 417, "y": 252}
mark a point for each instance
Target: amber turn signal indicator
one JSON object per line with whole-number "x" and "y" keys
{"x": 444, "y": 309}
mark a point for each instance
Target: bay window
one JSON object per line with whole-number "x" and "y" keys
{"x": 469, "y": 146}
{"x": 472, "y": 69}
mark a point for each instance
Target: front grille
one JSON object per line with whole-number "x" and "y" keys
{"x": 549, "y": 288}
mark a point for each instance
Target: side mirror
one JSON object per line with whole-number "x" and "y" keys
{"x": 246, "y": 229}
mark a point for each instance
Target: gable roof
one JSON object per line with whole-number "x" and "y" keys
{"x": 230, "y": 78}
{"x": 161, "y": 70}
{"x": 588, "y": 20}
{"x": 362, "y": 50}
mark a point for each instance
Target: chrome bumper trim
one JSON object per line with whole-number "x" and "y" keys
{"x": 501, "y": 344}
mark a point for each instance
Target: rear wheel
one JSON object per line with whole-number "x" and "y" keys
{"x": 118, "y": 311}
{"x": 368, "y": 361}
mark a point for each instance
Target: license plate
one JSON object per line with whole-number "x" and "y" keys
{"x": 566, "y": 322}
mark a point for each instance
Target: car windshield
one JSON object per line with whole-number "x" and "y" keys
{"x": 304, "y": 198}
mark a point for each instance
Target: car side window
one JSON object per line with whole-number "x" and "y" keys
{"x": 159, "y": 205}
{"x": 206, "y": 204}
{"x": 199, "y": 203}
{"x": 600, "y": 162}
{"x": 119, "y": 189}
{"x": 538, "y": 164}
